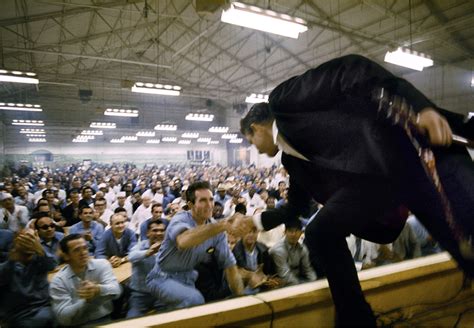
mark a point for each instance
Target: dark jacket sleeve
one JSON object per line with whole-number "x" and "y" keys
{"x": 351, "y": 75}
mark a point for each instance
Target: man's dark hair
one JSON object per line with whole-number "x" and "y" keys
{"x": 191, "y": 192}
{"x": 85, "y": 188}
{"x": 82, "y": 208}
{"x": 119, "y": 209}
{"x": 294, "y": 225}
{"x": 156, "y": 205}
{"x": 39, "y": 215}
{"x": 240, "y": 208}
{"x": 157, "y": 221}
{"x": 63, "y": 243}
{"x": 259, "y": 113}
{"x": 100, "y": 200}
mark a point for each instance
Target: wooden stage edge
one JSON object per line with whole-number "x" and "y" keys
{"x": 429, "y": 290}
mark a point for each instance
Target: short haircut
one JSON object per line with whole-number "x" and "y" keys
{"x": 63, "y": 244}
{"x": 191, "y": 192}
{"x": 259, "y": 113}
{"x": 85, "y": 188}
{"x": 82, "y": 208}
{"x": 157, "y": 221}
{"x": 120, "y": 209}
{"x": 156, "y": 205}
{"x": 47, "y": 191}
{"x": 113, "y": 216}
{"x": 294, "y": 225}
{"x": 38, "y": 216}
{"x": 73, "y": 191}
{"x": 100, "y": 200}
{"x": 240, "y": 208}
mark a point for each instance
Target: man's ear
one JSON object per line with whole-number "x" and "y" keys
{"x": 255, "y": 127}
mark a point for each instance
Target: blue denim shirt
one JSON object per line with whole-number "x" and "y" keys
{"x": 96, "y": 229}
{"x": 141, "y": 265}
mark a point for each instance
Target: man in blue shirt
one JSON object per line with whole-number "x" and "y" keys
{"x": 88, "y": 228}
{"x": 49, "y": 237}
{"x": 143, "y": 258}
{"x": 6, "y": 242}
{"x": 116, "y": 242}
{"x": 189, "y": 238}
{"x": 156, "y": 214}
{"x": 24, "y": 300}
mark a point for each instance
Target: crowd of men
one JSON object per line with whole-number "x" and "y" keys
{"x": 174, "y": 224}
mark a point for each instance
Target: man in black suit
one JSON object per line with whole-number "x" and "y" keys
{"x": 341, "y": 154}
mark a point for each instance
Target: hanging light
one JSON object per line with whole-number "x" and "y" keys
{"x": 36, "y": 131}
{"x": 190, "y": 135}
{"x": 229, "y": 136}
{"x": 37, "y": 140}
{"x": 219, "y": 129}
{"x": 169, "y": 139}
{"x": 256, "y": 98}
{"x": 204, "y": 140}
{"x": 200, "y": 117}
{"x": 121, "y": 112}
{"x": 166, "y": 127}
{"x": 157, "y": 89}
{"x": 117, "y": 141}
{"x": 184, "y": 142}
{"x": 18, "y": 77}
{"x": 21, "y": 107}
{"x": 129, "y": 138}
{"x": 28, "y": 122}
{"x": 92, "y": 132}
{"x": 408, "y": 58}
{"x": 264, "y": 20}
{"x": 236, "y": 140}
{"x": 145, "y": 134}
{"x": 103, "y": 125}
{"x": 153, "y": 141}
{"x": 214, "y": 142}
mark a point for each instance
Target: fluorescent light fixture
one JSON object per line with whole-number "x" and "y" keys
{"x": 84, "y": 137}
{"x": 103, "y": 125}
{"x": 92, "y": 132}
{"x": 184, "y": 142}
{"x": 18, "y": 77}
{"x": 22, "y": 107}
{"x": 472, "y": 82}
{"x": 129, "y": 138}
{"x": 153, "y": 141}
{"x": 35, "y": 135}
{"x": 219, "y": 129}
{"x": 190, "y": 135}
{"x": 28, "y": 122}
{"x": 157, "y": 89}
{"x": 408, "y": 58}
{"x": 75, "y": 140}
{"x": 256, "y": 98}
{"x": 169, "y": 139}
{"x": 37, "y": 140}
{"x": 263, "y": 20}
{"x": 166, "y": 127}
{"x": 121, "y": 112}
{"x": 145, "y": 134}
{"x": 229, "y": 136}
{"x": 117, "y": 141}
{"x": 214, "y": 142}
{"x": 204, "y": 140}
{"x": 236, "y": 140}
{"x": 200, "y": 117}
{"x": 32, "y": 131}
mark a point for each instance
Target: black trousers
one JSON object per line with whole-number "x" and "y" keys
{"x": 358, "y": 206}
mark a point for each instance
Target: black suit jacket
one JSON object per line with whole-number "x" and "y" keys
{"x": 328, "y": 115}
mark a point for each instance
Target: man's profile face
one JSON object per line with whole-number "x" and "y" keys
{"x": 262, "y": 139}
{"x": 203, "y": 205}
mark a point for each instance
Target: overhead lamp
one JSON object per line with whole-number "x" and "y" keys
{"x": 264, "y": 20}
{"x": 18, "y": 77}
{"x": 121, "y": 112}
{"x": 166, "y": 127}
{"x": 37, "y": 140}
{"x": 190, "y": 135}
{"x": 219, "y": 129}
{"x": 145, "y": 134}
{"x": 204, "y": 140}
{"x": 85, "y": 137}
{"x": 75, "y": 140}
{"x": 157, "y": 89}
{"x": 169, "y": 139}
{"x": 229, "y": 136}
{"x": 28, "y": 122}
{"x": 256, "y": 98}
{"x": 129, "y": 138}
{"x": 236, "y": 140}
{"x": 32, "y": 131}
{"x": 200, "y": 117}
{"x": 35, "y": 135}
{"x": 153, "y": 141}
{"x": 408, "y": 58}
{"x": 22, "y": 107}
{"x": 472, "y": 82}
{"x": 92, "y": 132}
{"x": 117, "y": 141}
{"x": 213, "y": 142}
{"x": 103, "y": 125}
{"x": 184, "y": 142}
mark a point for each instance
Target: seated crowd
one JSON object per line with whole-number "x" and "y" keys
{"x": 64, "y": 232}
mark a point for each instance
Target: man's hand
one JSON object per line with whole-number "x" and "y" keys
{"x": 87, "y": 235}
{"x": 435, "y": 127}
{"x": 29, "y": 242}
{"x": 88, "y": 290}
{"x": 115, "y": 261}
{"x": 239, "y": 225}
{"x": 153, "y": 249}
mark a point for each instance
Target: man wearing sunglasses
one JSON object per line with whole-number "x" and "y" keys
{"x": 49, "y": 237}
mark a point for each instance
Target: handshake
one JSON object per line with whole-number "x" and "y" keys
{"x": 239, "y": 225}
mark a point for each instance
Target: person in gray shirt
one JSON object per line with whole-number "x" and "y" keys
{"x": 292, "y": 258}
{"x": 83, "y": 290}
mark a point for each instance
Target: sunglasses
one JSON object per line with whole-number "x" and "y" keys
{"x": 45, "y": 227}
